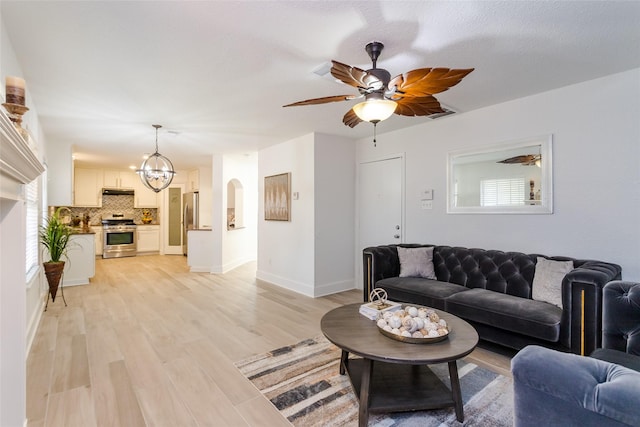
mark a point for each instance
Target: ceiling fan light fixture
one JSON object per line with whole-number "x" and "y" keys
{"x": 375, "y": 110}
{"x": 156, "y": 172}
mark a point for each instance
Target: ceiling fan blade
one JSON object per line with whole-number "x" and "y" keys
{"x": 426, "y": 81}
{"x": 525, "y": 159}
{"x": 323, "y": 100}
{"x": 356, "y": 77}
{"x": 418, "y": 106}
{"x": 351, "y": 119}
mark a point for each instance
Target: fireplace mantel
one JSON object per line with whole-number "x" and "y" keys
{"x": 18, "y": 164}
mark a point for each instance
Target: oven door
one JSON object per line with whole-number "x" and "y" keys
{"x": 119, "y": 243}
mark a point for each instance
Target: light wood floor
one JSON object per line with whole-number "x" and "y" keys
{"x": 150, "y": 344}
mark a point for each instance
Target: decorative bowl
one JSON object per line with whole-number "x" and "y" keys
{"x": 418, "y": 324}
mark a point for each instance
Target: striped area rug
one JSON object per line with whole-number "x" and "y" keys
{"x": 303, "y": 382}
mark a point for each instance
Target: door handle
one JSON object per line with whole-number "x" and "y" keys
{"x": 396, "y": 236}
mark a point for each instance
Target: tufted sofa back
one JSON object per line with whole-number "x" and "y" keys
{"x": 621, "y": 316}
{"x": 506, "y": 272}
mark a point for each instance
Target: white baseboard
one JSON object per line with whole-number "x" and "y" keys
{"x": 283, "y": 282}
{"x": 34, "y": 322}
{"x": 333, "y": 288}
{"x": 227, "y": 267}
{"x": 309, "y": 290}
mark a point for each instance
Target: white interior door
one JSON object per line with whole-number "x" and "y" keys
{"x": 172, "y": 219}
{"x": 380, "y": 205}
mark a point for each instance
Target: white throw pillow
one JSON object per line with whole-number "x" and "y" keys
{"x": 547, "y": 280}
{"x": 416, "y": 262}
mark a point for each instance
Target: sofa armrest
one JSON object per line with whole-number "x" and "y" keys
{"x": 567, "y": 389}
{"x": 621, "y": 317}
{"x": 582, "y": 305}
{"x": 379, "y": 262}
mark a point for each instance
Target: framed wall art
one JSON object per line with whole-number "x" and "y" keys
{"x": 277, "y": 197}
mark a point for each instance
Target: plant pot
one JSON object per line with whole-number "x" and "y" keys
{"x": 53, "y": 271}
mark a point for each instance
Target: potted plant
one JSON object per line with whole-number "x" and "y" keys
{"x": 54, "y": 235}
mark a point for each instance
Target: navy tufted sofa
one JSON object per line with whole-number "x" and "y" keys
{"x": 491, "y": 290}
{"x": 570, "y": 390}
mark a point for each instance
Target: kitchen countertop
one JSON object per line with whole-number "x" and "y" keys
{"x": 81, "y": 230}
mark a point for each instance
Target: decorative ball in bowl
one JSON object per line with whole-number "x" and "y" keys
{"x": 416, "y": 325}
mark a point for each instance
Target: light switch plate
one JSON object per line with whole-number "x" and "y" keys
{"x": 427, "y": 194}
{"x": 426, "y": 204}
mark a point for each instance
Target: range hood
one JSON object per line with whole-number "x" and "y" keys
{"x": 117, "y": 192}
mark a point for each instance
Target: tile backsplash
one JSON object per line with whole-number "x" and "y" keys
{"x": 114, "y": 204}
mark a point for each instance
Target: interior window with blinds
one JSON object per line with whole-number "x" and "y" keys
{"x": 502, "y": 192}
{"x": 32, "y": 215}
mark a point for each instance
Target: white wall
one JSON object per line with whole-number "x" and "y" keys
{"x": 21, "y": 303}
{"x": 334, "y": 189}
{"x": 206, "y": 200}
{"x": 596, "y": 172}
{"x": 228, "y": 249}
{"x": 240, "y": 245}
{"x": 286, "y": 249}
{"x": 313, "y": 253}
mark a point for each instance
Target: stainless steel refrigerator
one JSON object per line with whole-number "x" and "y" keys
{"x": 190, "y": 216}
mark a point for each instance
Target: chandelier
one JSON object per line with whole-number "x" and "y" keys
{"x": 156, "y": 171}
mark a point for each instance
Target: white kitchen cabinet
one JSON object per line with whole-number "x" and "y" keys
{"x": 148, "y": 237}
{"x": 81, "y": 263}
{"x": 119, "y": 178}
{"x": 98, "y": 231}
{"x": 193, "y": 183}
{"x": 87, "y": 187}
{"x": 144, "y": 197}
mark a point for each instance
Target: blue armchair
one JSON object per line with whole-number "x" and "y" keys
{"x": 552, "y": 388}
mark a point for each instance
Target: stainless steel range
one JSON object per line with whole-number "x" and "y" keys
{"x": 119, "y": 237}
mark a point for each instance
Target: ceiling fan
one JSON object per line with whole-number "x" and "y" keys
{"x": 407, "y": 94}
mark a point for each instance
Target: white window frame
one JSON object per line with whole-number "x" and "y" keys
{"x": 32, "y": 228}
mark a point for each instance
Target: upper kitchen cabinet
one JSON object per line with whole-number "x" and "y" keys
{"x": 59, "y": 174}
{"x": 87, "y": 187}
{"x": 144, "y": 197}
{"x": 120, "y": 179}
{"x": 193, "y": 183}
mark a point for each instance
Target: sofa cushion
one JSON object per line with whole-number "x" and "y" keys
{"x": 621, "y": 358}
{"x": 525, "y": 316}
{"x": 430, "y": 293}
{"x": 416, "y": 262}
{"x": 547, "y": 280}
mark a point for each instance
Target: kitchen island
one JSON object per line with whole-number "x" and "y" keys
{"x": 200, "y": 247}
{"x": 80, "y": 264}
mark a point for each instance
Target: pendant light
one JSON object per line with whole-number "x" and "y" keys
{"x": 156, "y": 172}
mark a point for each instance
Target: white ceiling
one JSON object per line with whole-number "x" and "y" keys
{"x": 215, "y": 74}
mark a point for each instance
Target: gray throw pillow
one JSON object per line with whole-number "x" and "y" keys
{"x": 547, "y": 280}
{"x": 416, "y": 262}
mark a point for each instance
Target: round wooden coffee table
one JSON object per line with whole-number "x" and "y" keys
{"x": 400, "y": 379}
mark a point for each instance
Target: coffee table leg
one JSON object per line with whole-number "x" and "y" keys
{"x": 455, "y": 389}
{"x": 344, "y": 359}
{"x": 363, "y": 414}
